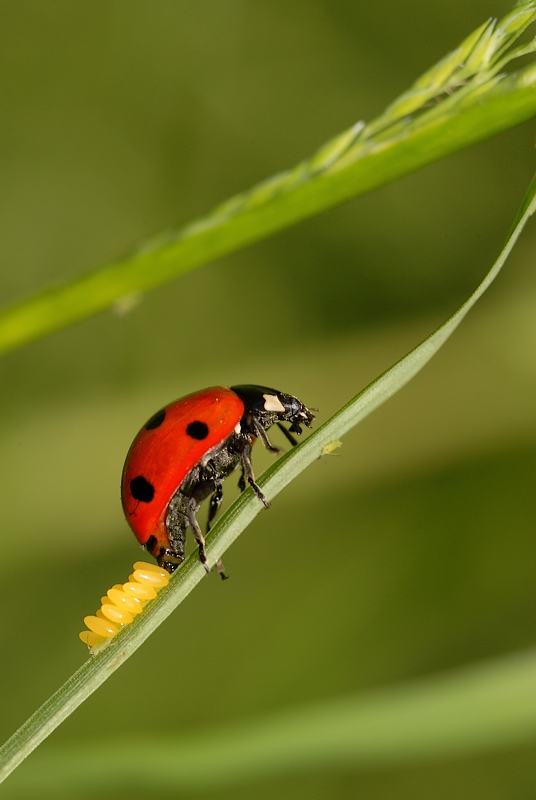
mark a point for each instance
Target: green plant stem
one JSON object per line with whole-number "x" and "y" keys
{"x": 408, "y": 136}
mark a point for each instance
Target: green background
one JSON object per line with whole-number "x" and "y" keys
{"x": 409, "y": 552}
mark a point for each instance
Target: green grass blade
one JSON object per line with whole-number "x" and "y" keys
{"x": 475, "y": 709}
{"x": 93, "y": 673}
{"x": 460, "y": 101}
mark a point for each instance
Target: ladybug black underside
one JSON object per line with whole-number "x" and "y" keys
{"x": 206, "y": 478}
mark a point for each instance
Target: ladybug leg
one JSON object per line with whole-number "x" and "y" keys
{"x": 248, "y": 474}
{"x": 287, "y": 433}
{"x": 215, "y": 503}
{"x": 263, "y": 436}
{"x": 220, "y": 569}
{"x": 196, "y": 530}
{"x": 242, "y": 481}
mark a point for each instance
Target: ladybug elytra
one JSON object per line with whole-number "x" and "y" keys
{"x": 183, "y": 453}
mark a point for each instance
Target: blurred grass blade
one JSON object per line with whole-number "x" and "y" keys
{"x": 463, "y": 99}
{"x": 95, "y": 671}
{"x": 470, "y": 710}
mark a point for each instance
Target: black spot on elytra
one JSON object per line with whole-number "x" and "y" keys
{"x": 141, "y": 489}
{"x": 197, "y": 430}
{"x": 150, "y": 543}
{"x": 156, "y": 420}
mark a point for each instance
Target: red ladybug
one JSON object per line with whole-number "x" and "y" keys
{"x": 183, "y": 453}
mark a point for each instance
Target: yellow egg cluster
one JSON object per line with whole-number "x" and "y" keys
{"x": 123, "y": 602}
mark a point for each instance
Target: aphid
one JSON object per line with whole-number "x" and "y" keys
{"x": 123, "y": 602}
{"x": 183, "y": 453}
{"x": 330, "y": 447}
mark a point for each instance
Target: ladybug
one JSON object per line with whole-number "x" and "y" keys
{"x": 183, "y": 453}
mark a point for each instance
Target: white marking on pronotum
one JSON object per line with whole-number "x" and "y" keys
{"x": 238, "y": 428}
{"x": 273, "y": 403}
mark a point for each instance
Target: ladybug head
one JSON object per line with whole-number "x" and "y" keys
{"x": 269, "y": 406}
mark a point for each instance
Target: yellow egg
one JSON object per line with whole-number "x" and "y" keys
{"x": 123, "y": 602}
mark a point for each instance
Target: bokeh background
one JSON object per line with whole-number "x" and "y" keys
{"x": 409, "y": 552}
